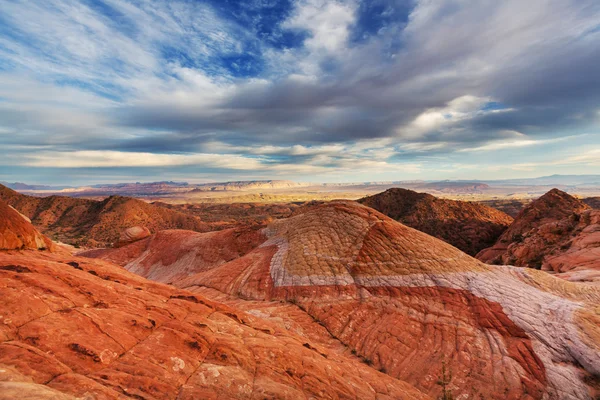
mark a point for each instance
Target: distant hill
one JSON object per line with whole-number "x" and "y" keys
{"x": 556, "y": 232}
{"x": 511, "y": 207}
{"x": 456, "y": 186}
{"x": 249, "y": 185}
{"x": 593, "y": 202}
{"x": 468, "y": 226}
{"x": 567, "y": 180}
{"x": 24, "y": 186}
{"x": 96, "y": 223}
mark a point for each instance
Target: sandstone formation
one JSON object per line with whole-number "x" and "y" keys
{"x": 556, "y": 232}
{"x": 175, "y": 254}
{"x": 94, "y": 223}
{"x": 16, "y": 231}
{"x": 468, "y": 226}
{"x": 132, "y": 234}
{"x": 406, "y": 304}
{"x": 91, "y": 330}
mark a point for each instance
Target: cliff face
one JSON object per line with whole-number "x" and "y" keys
{"x": 468, "y": 226}
{"x": 403, "y": 302}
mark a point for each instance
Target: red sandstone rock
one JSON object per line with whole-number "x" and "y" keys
{"x": 354, "y": 281}
{"x": 556, "y": 233}
{"x": 175, "y": 254}
{"x": 131, "y": 235}
{"x": 91, "y": 330}
{"x": 16, "y": 231}
{"x": 468, "y": 226}
{"x": 94, "y": 223}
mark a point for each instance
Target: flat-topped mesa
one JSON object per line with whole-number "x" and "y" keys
{"x": 17, "y": 232}
{"x": 556, "y": 232}
{"x": 407, "y": 303}
{"x": 469, "y": 226}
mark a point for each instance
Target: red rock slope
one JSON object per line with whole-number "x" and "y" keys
{"x": 16, "y": 231}
{"x": 171, "y": 255}
{"x": 468, "y": 226}
{"x": 82, "y": 328}
{"x": 96, "y": 223}
{"x": 558, "y": 233}
{"x": 405, "y": 303}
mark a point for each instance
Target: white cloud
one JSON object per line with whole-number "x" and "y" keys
{"x": 94, "y": 159}
{"x": 433, "y": 119}
{"x": 327, "y": 21}
{"x": 520, "y": 141}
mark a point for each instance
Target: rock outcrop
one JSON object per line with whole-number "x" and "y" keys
{"x": 91, "y": 330}
{"x": 471, "y": 227}
{"x": 556, "y": 232}
{"x": 16, "y": 231}
{"x": 131, "y": 235}
{"x": 94, "y": 223}
{"x": 175, "y": 254}
{"x": 407, "y": 304}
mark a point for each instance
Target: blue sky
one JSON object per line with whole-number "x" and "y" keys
{"x": 312, "y": 90}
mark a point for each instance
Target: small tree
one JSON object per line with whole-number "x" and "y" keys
{"x": 444, "y": 381}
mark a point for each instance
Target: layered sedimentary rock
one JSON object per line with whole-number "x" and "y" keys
{"x": 175, "y": 254}
{"x": 91, "y": 330}
{"x": 558, "y": 233}
{"x": 468, "y": 226}
{"x": 131, "y": 235}
{"x": 407, "y": 304}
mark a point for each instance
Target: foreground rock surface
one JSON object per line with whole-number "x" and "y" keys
{"x": 405, "y": 303}
{"x": 91, "y": 330}
{"x": 471, "y": 227}
{"x": 557, "y": 233}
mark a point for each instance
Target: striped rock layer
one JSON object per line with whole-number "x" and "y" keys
{"x": 405, "y": 303}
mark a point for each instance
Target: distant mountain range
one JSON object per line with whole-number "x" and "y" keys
{"x": 569, "y": 180}
{"x": 540, "y": 185}
{"x": 24, "y": 186}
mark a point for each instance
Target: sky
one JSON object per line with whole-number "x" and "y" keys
{"x": 310, "y": 90}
